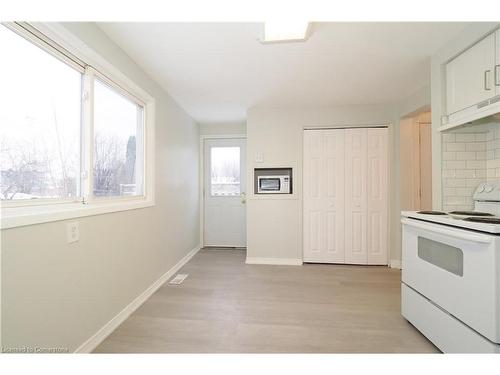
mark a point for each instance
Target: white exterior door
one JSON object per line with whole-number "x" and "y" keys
{"x": 324, "y": 196}
{"x": 224, "y": 192}
{"x": 345, "y": 196}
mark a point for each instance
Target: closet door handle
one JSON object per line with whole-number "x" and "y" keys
{"x": 486, "y": 73}
{"x": 497, "y": 75}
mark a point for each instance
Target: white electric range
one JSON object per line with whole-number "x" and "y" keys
{"x": 451, "y": 274}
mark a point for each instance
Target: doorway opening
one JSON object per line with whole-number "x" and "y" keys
{"x": 416, "y": 162}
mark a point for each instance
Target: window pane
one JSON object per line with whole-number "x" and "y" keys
{"x": 225, "y": 171}
{"x": 441, "y": 255}
{"x": 40, "y": 115}
{"x": 117, "y": 143}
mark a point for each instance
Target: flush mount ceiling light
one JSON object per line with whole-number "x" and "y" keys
{"x": 285, "y": 31}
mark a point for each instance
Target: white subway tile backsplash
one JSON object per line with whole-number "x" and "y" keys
{"x": 462, "y": 192}
{"x": 455, "y": 182}
{"x": 448, "y": 173}
{"x": 476, "y": 146}
{"x": 454, "y": 164}
{"x": 481, "y": 137}
{"x": 467, "y": 160}
{"x": 473, "y": 182}
{"x": 481, "y": 155}
{"x": 475, "y": 164}
{"x": 448, "y": 137}
{"x": 455, "y": 147}
{"x": 465, "y": 137}
{"x": 449, "y": 191}
{"x": 458, "y": 200}
{"x": 463, "y": 155}
{"x": 465, "y": 173}
{"x": 480, "y": 173}
{"x": 449, "y": 155}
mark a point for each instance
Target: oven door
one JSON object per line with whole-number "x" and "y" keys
{"x": 456, "y": 269}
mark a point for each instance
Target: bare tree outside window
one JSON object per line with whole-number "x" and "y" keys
{"x": 39, "y": 122}
{"x": 116, "y": 123}
{"x": 225, "y": 171}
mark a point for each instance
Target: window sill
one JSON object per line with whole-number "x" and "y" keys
{"x": 12, "y": 217}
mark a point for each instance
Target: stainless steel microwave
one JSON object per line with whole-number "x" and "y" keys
{"x": 273, "y": 184}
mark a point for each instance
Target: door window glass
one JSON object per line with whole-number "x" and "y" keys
{"x": 225, "y": 171}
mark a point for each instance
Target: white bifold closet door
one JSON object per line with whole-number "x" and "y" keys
{"x": 345, "y": 196}
{"x": 324, "y": 189}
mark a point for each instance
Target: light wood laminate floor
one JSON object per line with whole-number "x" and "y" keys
{"x": 227, "y": 306}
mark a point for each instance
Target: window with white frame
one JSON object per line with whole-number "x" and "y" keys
{"x": 40, "y": 118}
{"x": 118, "y": 145}
{"x": 67, "y": 131}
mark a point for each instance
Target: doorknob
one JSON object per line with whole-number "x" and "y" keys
{"x": 243, "y": 197}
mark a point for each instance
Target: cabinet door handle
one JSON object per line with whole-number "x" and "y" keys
{"x": 497, "y": 75}
{"x": 486, "y": 72}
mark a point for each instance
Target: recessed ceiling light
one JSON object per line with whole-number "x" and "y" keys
{"x": 285, "y": 31}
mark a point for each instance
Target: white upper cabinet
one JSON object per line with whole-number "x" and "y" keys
{"x": 470, "y": 76}
{"x": 473, "y": 83}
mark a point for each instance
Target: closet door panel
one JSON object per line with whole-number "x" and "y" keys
{"x": 355, "y": 196}
{"x": 323, "y": 196}
{"x": 377, "y": 196}
{"x": 333, "y": 200}
{"x": 313, "y": 244}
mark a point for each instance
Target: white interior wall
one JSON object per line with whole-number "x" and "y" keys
{"x": 274, "y": 223}
{"x": 58, "y": 295}
{"x": 415, "y": 163}
{"x": 223, "y": 128}
{"x": 409, "y": 164}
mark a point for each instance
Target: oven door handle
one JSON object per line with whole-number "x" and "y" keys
{"x": 463, "y": 235}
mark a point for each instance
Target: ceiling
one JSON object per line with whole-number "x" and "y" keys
{"x": 216, "y": 71}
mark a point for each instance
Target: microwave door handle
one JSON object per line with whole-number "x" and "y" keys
{"x": 463, "y": 235}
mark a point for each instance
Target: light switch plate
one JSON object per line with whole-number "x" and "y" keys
{"x": 259, "y": 157}
{"x": 72, "y": 232}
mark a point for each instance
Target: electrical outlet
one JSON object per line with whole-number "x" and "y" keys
{"x": 73, "y": 232}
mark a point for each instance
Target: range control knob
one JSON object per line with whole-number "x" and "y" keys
{"x": 480, "y": 188}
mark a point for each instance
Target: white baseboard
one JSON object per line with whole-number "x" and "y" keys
{"x": 275, "y": 261}
{"x": 92, "y": 343}
{"x": 395, "y": 263}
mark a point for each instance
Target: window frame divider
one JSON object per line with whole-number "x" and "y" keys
{"x": 58, "y": 41}
{"x": 87, "y": 139}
